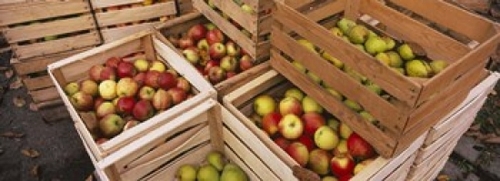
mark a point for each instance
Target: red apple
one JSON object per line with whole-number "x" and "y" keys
{"x": 127, "y": 87}
{"x": 246, "y": 62}
{"x": 202, "y": 45}
{"x": 113, "y": 62}
{"x": 146, "y": 93}
{"x": 341, "y": 166}
{"x": 283, "y": 143}
{"x": 82, "y": 101}
{"x": 183, "y": 84}
{"x": 291, "y": 127}
{"x": 151, "y": 79}
{"x": 308, "y": 141}
{"x": 197, "y": 32}
{"x": 345, "y": 178}
{"x": 95, "y": 72}
{"x": 270, "y": 123}
{"x": 140, "y": 78}
{"x": 217, "y": 51}
{"x": 290, "y": 105}
{"x": 312, "y": 121}
{"x": 233, "y": 49}
{"x": 185, "y": 42}
{"x": 359, "y": 148}
{"x": 143, "y": 110}
{"x": 126, "y": 69}
{"x": 105, "y": 108}
{"x": 98, "y": 101}
{"x": 166, "y": 80}
{"x": 108, "y": 73}
{"x": 191, "y": 54}
{"x": 125, "y": 105}
{"x": 162, "y": 100}
{"x": 111, "y": 125}
{"x": 178, "y": 95}
{"x": 210, "y": 64}
{"x": 298, "y": 152}
{"x": 216, "y": 75}
{"x": 228, "y": 63}
{"x": 319, "y": 161}
{"x": 215, "y": 36}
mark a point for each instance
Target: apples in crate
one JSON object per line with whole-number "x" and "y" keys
{"x": 214, "y": 167}
{"x": 215, "y": 56}
{"x": 309, "y": 135}
{"x": 124, "y": 92}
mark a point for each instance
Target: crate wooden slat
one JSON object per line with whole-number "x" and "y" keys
{"x": 182, "y": 24}
{"x": 75, "y": 68}
{"x": 118, "y": 18}
{"x": 208, "y": 126}
{"x": 416, "y": 104}
{"x": 272, "y": 83}
{"x": 444, "y": 136}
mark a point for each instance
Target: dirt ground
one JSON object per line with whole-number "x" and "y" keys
{"x": 32, "y": 149}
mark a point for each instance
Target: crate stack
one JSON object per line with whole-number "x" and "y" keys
{"x": 443, "y": 137}
{"x": 43, "y": 32}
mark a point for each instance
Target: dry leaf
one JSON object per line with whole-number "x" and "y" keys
{"x": 493, "y": 140}
{"x": 90, "y": 178}
{"x": 443, "y": 178}
{"x": 19, "y": 101}
{"x": 3, "y": 68}
{"x": 416, "y": 48}
{"x": 35, "y": 171}
{"x": 33, "y": 107}
{"x": 30, "y": 153}
{"x": 9, "y": 73}
{"x": 11, "y": 134}
{"x": 304, "y": 174}
{"x": 16, "y": 84}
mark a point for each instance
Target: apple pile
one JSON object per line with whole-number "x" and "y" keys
{"x": 120, "y": 94}
{"x": 311, "y": 136}
{"x": 216, "y": 167}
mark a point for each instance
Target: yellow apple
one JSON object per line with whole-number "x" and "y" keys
{"x": 107, "y": 89}
{"x": 264, "y": 104}
{"x": 310, "y": 105}
{"x": 158, "y": 66}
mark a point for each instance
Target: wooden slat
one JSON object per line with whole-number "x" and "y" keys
{"x": 53, "y": 114}
{"x": 113, "y": 34}
{"x": 392, "y": 82}
{"x": 437, "y": 45}
{"x": 383, "y": 143}
{"x": 110, "y": 3}
{"x": 44, "y": 95}
{"x": 41, "y": 10}
{"x": 136, "y": 14}
{"x": 352, "y": 9}
{"x": 471, "y": 25}
{"x": 56, "y": 46}
{"x": 225, "y": 87}
{"x": 57, "y": 27}
{"x": 40, "y": 63}
{"x": 244, "y": 19}
{"x": 38, "y": 82}
{"x": 248, "y": 169}
{"x": 340, "y": 81}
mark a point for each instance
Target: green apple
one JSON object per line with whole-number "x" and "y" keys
{"x": 384, "y": 58}
{"x": 247, "y": 9}
{"x": 329, "y": 178}
{"x": 314, "y": 77}
{"x": 438, "y": 66}
{"x": 111, "y": 125}
{"x": 417, "y": 68}
{"x": 353, "y": 105}
{"x": 264, "y": 104}
{"x": 333, "y": 123}
{"x": 358, "y": 34}
{"x": 373, "y": 87}
{"x": 326, "y": 138}
{"x": 233, "y": 172}
{"x": 389, "y": 42}
{"x": 396, "y": 60}
{"x": 345, "y": 25}
{"x": 294, "y": 92}
{"x": 107, "y": 89}
{"x": 336, "y": 31}
{"x": 71, "y": 88}
{"x": 308, "y": 45}
{"x": 367, "y": 116}
{"x": 299, "y": 66}
{"x": 208, "y": 173}
{"x": 186, "y": 173}
{"x": 332, "y": 60}
{"x": 216, "y": 159}
{"x": 406, "y": 52}
{"x": 310, "y": 105}
{"x": 335, "y": 93}
{"x": 375, "y": 45}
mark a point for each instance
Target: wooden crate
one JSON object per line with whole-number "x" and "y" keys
{"x": 75, "y": 68}
{"x": 29, "y": 26}
{"x": 256, "y": 24}
{"x": 182, "y": 24}
{"x": 239, "y": 102}
{"x": 415, "y": 104}
{"x": 444, "y": 136}
{"x": 120, "y": 18}
{"x": 208, "y": 126}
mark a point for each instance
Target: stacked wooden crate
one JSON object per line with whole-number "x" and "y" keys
{"x": 443, "y": 137}
{"x": 43, "y": 32}
{"x": 415, "y": 104}
{"x": 76, "y": 68}
{"x": 120, "y": 18}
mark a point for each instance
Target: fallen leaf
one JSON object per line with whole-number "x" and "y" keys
{"x": 35, "y": 171}
{"x": 10, "y": 134}
{"x": 493, "y": 140}
{"x": 30, "y": 153}
{"x": 33, "y": 107}
{"x": 443, "y": 178}
{"x": 3, "y": 68}
{"x": 305, "y": 174}
{"x": 9, "y": 73}
{"x": 16, "y": 84}
{"x": 90, "y": 178}
{"x": 19, "y": 101}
